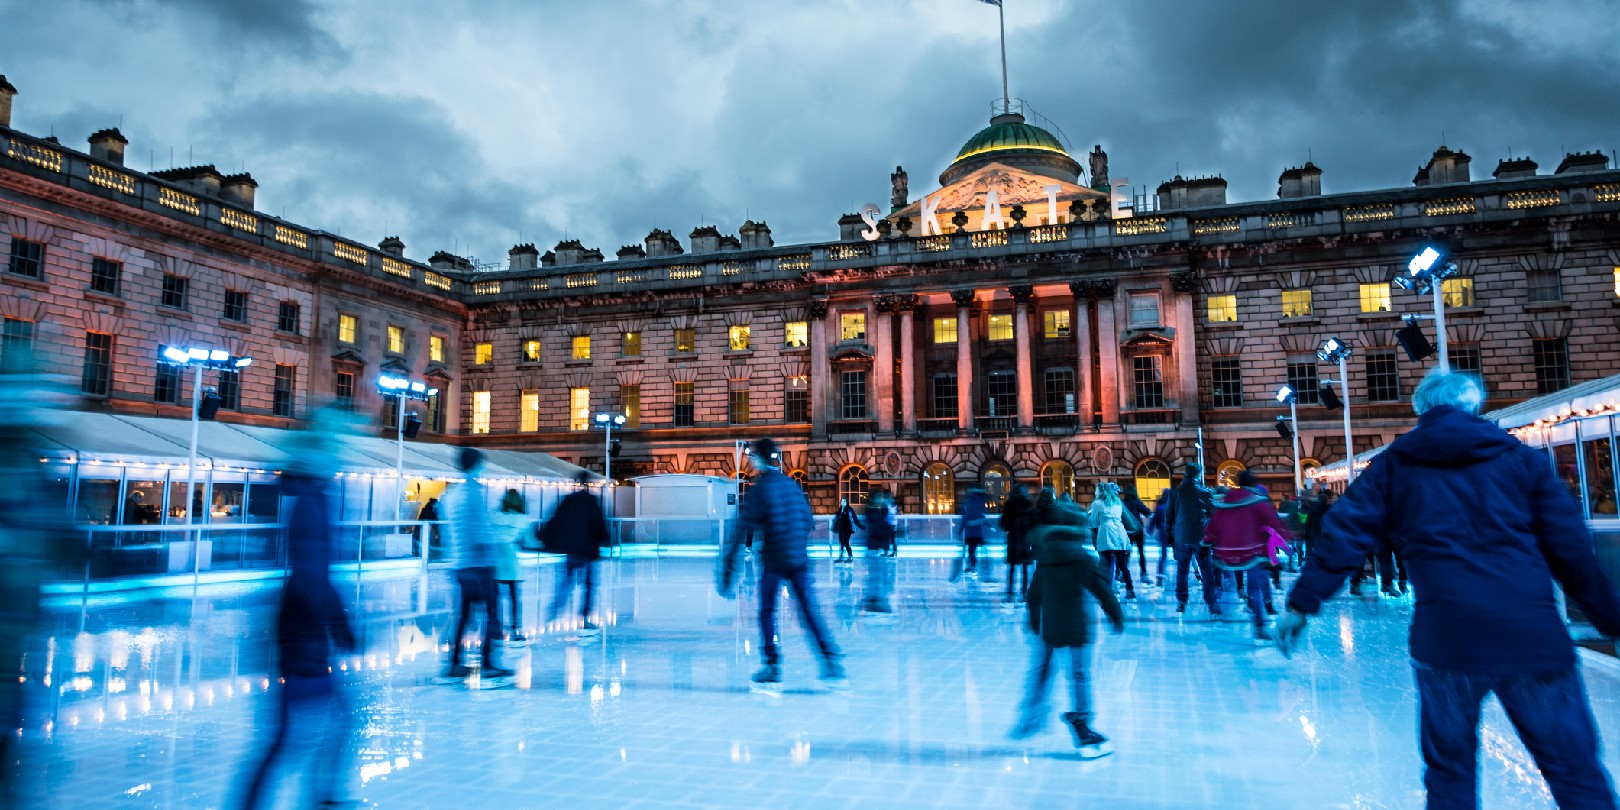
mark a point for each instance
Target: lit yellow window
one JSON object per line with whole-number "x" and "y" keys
{"x": 582, "y": 347}
{"x": 1458, "y": 292}
{"x": 531, "y": 351}
{"x": 579, "y": 408}
{"x": 348, "y": 328}
{"x": 529, "y": 407}
{"x": 1057, "y": 323}
{"x": 631, "y": 344}
{"x": 1617, "y": 282}
{"x": 630, "y": 405}
{"x": 853, "y": 326}
{"x": 480, "y": 412}
{"x": 685, "y": 340}
{"x": 944, "y": 330}
{"x": 740, "y": 336}
{"x": 1296, "y": 303}
{"x": 436, "y": 348}
{"x": 797, "y": 334}
{"x": 1375, "y": 297}
{"x": 1222, "y": 308}
{"x": 396, "y": 339}
{"x": 1001, "y": 327}
{"x": 483, "y": 354}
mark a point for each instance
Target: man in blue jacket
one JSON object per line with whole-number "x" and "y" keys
{"x": 777, "y": 510}
{"x": 1486, "y": 528}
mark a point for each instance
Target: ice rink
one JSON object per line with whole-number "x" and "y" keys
{"x": 154, "y": 703}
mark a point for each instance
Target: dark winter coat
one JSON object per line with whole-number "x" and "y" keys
{"x": 776, "y": 511}
{"x": 1133, "y": 505}
{"x": 1157, "y": 525}
{"x": 1017, "y": 518}
{"x": 880, "y": 521}
{"x": 1316, "y": 509}
{"x": 1186, "y": 509}
{"x": 972, "y": 527}
{"x": 1237, "y": 530}
{"x": 578, "y": 528}
{"x": 311, "y": 618}
{"x": 1065, "y": 572}
{"x": 1484, "y": 527}
{"x": 845, "y": 522}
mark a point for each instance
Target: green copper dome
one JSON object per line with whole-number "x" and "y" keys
{"x": 1010, "y": 135}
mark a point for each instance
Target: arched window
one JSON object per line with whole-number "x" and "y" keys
{"x": 1226, "y": 474}
{"x": 939, "y": 490}
{"x": 997, "y": 482}
{"x": 1152, "y": 479}
{"x": 1308, "y": 468}
{"x": 799, "y": 477}
{"x": 854, "y": 484}
{"x": 1059, "y": 475}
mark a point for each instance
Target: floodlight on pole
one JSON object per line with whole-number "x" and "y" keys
{"x": 199, "y": 358}
{"x": 1334, "y": 350}
{"x": 608, "y": 421}
{"x": 401, "y": 389}
{"x": 1288, "y": 428}
{"x": 1426, "y": 273}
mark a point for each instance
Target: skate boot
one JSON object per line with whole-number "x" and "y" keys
{"x": 494, "y": 677}
{"x": 833, "y": 676}
{"x": 1262, "y": 636}
{"x": 1029, "y": 724}
{"x": 768, "y": 680}
{"x": 454, "y": 673}
{"x": 1091, "y": 744}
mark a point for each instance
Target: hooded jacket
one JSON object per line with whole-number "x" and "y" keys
{"x": 311, "y": 617}
{"x": 1065, "y": 571}
{"x": 1237, "y": 529}
{"x": 1485, "y": 527}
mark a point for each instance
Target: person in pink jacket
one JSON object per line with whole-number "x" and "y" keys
{"x": 1241, "y": 534}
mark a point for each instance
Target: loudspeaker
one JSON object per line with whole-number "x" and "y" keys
{"x": 614, "y": 448}
{"x": 1329, "y": 398}
{"x": 1283, "y": 429}
{"x": 209, "y": 405}
{"x": 413, "y": 426}
{"x": 1415, "y": 343}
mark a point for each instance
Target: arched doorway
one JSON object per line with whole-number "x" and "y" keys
{"x": 939, "y": 490}
{"x": 1152, "y": 479}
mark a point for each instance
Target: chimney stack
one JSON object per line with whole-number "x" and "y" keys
{"x": 1575, "y": 162}
{"x": 1199, "y": 192}
{"x": 239, "y": 189}
{"x": 6, "y": 92}
{"x": 108, "y": 145}
{"x": 392, "y": 246}
{"x": 1445, "y": 166}
{"x": 755, "y": 235}
{"x": 523, "y": 257}
{"x": 204, "y": 180}
{"x": 1514, "y": 168}
{"x": 1300, "y": 181}
{"x": 705, "y": 239}
{"x": 662, "y": 243}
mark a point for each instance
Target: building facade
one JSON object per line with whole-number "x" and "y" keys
{"x": 1020, "y": 322}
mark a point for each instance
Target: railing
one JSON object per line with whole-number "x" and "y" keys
{"x": 995, "y": 423}
{"x": 945, "y": 424}
{"x": 1057, "y": 422}
{"x": 668, "y": 531}
{"x": 1150, "y": 416}
{"x": 114, "y": 552}
{"x": 850, "y": 427}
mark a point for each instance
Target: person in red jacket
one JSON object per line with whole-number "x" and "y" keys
{"x": 1240, "y": 536}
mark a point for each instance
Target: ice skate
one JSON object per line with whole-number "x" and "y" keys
{"x": 453, "y": 674}
{"x": 1091, "y": 744}
{"x": 767, "y": 681}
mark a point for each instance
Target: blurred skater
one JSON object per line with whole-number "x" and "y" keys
{"x": 1137, "y": 529}
{"x": 429, "y": 533}
{"x": 1240, "y": 542}
{"x": 1017, "y": 518}
{"x": 473, "y": 550}
{"x": 880, "y": 524}
{"x": 1059, "y": 617}
{"x": 845, "y": 522}
{"x": 971, "y": 528}
{"x": 1489, "y": 529}
{"x": 312, "y": 712}
{"x": 512, "y": 523}
{"x": 775, "y": 508}
{"x": 1187, "y": 507}
{"x": 579, "y": 530}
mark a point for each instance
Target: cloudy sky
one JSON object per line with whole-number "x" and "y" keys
{"x": 470, "y": 125}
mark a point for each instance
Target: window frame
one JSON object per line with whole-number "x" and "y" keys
{"x": 1550, "y": 356}
{"x": 630, "y": 404}
{"x": 1001, "y": 386}
{"x": 1544, "y": 286}
{"x": 478, "y": 413}
{"x": 1232, "y": 370}
{"x": 1057, "y": 324}
{"x": 436, "y": 347}
{"x": 579, "y": 347}
{"x": 1457, "y": 292}
{"x": 999, "y": 327}
{"x": 1132, "y": 310}
{"x": 289, "y": 311}
{"x": 630, "y": 343}
{"x": 19, "y": 260}
{"x": 483, "y": 353}
{"x": 350, "y": 323}
{"x": 802, "y": 329}
{"x": 942, "y": 326}
{"x": 853, "y": 396}
{"x": 1067, "y": 395}
{"x": 1305, "y": 393}
{"x": 284, "y": 391}
{"x": 529, "y": 410}
{"x": 531, "y": 350}
{"x": 1221, "y": 308}
{"x": 16, "y": 334}
{"x": 106, "y": 276}
{"x": 395, "y": 337}
{"x": 95, "y": 378}
{"x": 737, "y": 403}
{"x": 1147, "y": 392}
{"x": 1152, "y": 478}
{"x": 236, "y": 306}
{"x": 740, "y": 337}
{"x": 1375, "y": 292}
{"x": 852, "y": 327}
{"x": 1383, "y": 383}
{"x": 343, "y": 390}
{"x": 684, "y": 405}
{"x": 935, "y": 398}
{"x": 685, "y": 340}
{"x": 1292, "y": 309}
{"x": 796, "y": 400}
{"x": 579, "y": 408}
{"x": 175, "y": 288}
{"x": 939, "y": 489}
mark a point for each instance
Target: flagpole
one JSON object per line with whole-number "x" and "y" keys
{"x": 1001, "y": 14}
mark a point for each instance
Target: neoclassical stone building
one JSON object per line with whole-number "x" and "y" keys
{"x": 1018, "y": 322}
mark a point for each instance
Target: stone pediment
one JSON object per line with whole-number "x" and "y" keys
{"x": 852, "y": 353}
{"x": 1160, "y": 338}
{"x": 1012, "y": 187}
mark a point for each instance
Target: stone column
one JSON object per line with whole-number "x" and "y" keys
{"x": 821, "y": 345}
{"x": 907, "y": 305}
{"x": 882, "y": 334}
{"x": 1108, "y": 381}
{"x": 1082, "y": 337}
{"x": 1185, "y": 285}
{"x": 964, "y": 358}
{"x": 1022, "y": 294}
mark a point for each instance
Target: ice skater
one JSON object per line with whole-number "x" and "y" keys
{"x": 970, "y": 529}
{"x": 512, "y": 524}
{"x": 845, "y": 522}
{"x": 1112, "y": 537}
{"x": 880, "y": 523}
{"x": 473, "y": 543}
{"x": 1017, "y": 518}
{"x": 1240, "y": 542}
{"x": 1488, "y": 528}
{"x": 775, "y": 509}
{"x": 1065, "y": 572}
{"x": 579, "y": 530}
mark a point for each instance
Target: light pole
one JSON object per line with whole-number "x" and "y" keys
{"x": 608, "y": 421}
{"x": 1426, "y": 273}
{"x": 402, "y": 389}
{"x": 1286, "y": 394}
{"x": 1334, "y": 350}
{"x": 198, "y": 358}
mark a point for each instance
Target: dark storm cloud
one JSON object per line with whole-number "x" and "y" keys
{"x": 472, "y": 124}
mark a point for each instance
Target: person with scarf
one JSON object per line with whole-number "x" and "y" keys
{"x": 1245, "y": 533}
